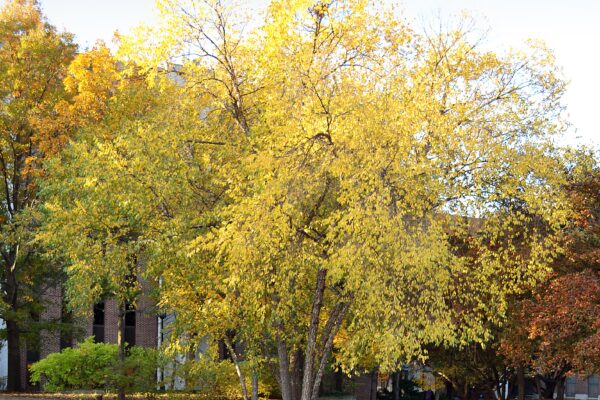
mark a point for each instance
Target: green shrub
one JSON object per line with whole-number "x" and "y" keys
{"x": 88, "y": 366}
{"x": 140, "y": 369}
{"x": 95, "y": 366}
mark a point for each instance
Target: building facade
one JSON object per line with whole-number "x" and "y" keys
{"x": 141, "y": 329}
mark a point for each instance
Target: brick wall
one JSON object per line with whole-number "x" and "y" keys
{"x": 50, "y": 340}
{"x": 111, "y": 318}
{"x": 146, "y": 320}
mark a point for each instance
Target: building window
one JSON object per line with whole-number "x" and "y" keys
{"x": 130, "y": 325}
{"x": 98, "y": 327}
{"x": 593, "y": 386}
{"x": 570, "y": 385}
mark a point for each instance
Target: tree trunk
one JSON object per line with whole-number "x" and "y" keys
{"x": 254, "y": 386}
{"x": 465, "y": 392}
{"x": 308, "y": 377}
{"x": 284, "y": 371}
{"x": 521, "y": 382}
{"x": 560, "y": 388}
{"x": 121, "y": 346}
{"x": 238, "y": 369}
{"x": 13, "y": 332}
{"x": 373, "y": 387}
{"x": 296, "y": 374}
{"x": 546, "y": 391}
{"x": 538, "y": 386}
{"x": 396, "y": 385}
{"x": 449, "y": 389}
{"x": 13, "y": 383}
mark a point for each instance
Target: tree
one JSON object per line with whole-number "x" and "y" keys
{"x": 33, "y": 62}
{"x": 88, "y": 220}
{"x": 341, "y": 150}
{"x": 473, "y": 370}
{"x": 555, "y": 330}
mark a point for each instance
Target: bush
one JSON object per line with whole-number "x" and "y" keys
{"x": 214, "y": 378}
{"x": 95, "y": 366}
{"x": 88, "y": 366}
{"x": 140, "y": 369}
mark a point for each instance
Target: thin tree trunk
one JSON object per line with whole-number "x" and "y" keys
{"x": 13, "y": 332}
{"x": 449, "y": 390}
{"x": 521, "y": 382}
{"x": 331, "y": 328}
{"x": 14, "y": 357}
{"x": 560, "y": 388}
{"x": 254, "y": 386}
{"x": 538, "y": 385}
{"x": 238, "y": 369}
{"x": 296, "y": 373}
{"x": 121, "y": 346}
{"x": 308, "y": 377}
{"x": 284, "y": 371}
{"x": 396, "y": 385}
{"x": 373, "y": 388}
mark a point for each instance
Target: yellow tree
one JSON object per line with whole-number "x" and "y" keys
{"x": 337, "y": 155}
{"x": 33, "y": 62}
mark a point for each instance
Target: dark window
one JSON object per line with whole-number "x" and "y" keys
{"x": 98, "y": 327}
{"x": 130, "y": 325}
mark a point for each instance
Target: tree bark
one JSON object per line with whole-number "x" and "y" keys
{"x": 329, "y": 332}
{"x": 521, "y": 382}
{"x": 308, "y": 377}
{"x": 13, "y": 333}
{"x": 296, "y": 373}
{"x": 254, "y": 386}
{"x": 560, "y": 388}
{"x": 396, "y": 385}
{"x": 538, "y": 386}
{"x": 238, "y": 369}
{"x": 13, "y": 383}
{"x": 284, "y": 370}
{"x": 121, "y": 346}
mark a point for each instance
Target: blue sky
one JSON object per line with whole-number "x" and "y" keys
{"x": 570, "y": 27}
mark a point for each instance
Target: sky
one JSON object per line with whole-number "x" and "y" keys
{"x": 570, "y": 27}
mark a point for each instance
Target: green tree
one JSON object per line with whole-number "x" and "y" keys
{"x": 89, "y": 219}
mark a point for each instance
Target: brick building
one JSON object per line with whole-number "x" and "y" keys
{"x": 141, "y": 329}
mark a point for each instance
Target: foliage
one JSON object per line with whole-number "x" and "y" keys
{"x": 93, "y": 366}
{"x": 207, "y": 374}
{"x": 33, "y": 62}
{"x": 100, "y": 247}
{"x": 88, "y": 366}
{"x": 555, "y": 330}
{"x": 140, "y": 368}
{"x": 279, "y": 182}
{"x": 474, "y": 369}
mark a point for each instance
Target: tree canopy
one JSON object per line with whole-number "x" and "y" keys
{"x": 34, "y": 58}
{"x": 307, "y": 184}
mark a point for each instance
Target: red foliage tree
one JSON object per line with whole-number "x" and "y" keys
{"x": 556, "y": 330}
